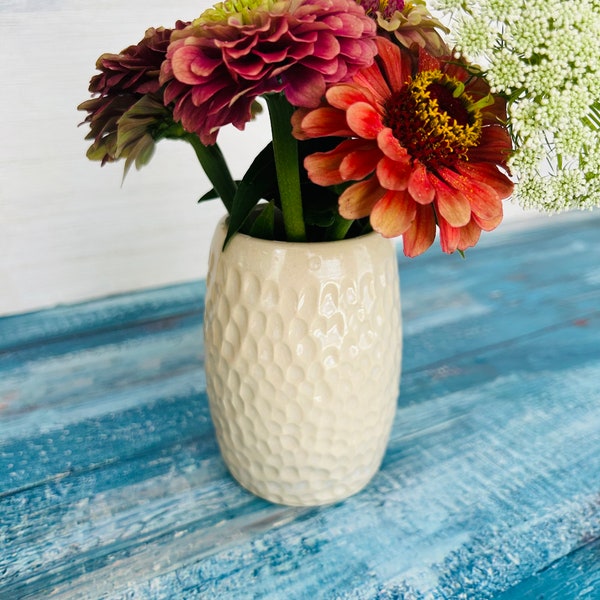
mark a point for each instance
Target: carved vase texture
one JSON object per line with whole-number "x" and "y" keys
{"x": 303, "y": 350}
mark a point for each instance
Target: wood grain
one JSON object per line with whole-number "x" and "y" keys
{"x": 111, "y": 485}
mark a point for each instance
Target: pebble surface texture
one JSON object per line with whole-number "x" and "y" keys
{"x": 303, "y": 353}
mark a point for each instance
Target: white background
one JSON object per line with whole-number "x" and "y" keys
{"x": 69, "y": 230}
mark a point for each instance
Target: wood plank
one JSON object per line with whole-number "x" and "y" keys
{"x": 576, "y": 577}
{"x": 108, "y": 314}
{"x": 509, "y": 286}
{"x": 111, "y": 483}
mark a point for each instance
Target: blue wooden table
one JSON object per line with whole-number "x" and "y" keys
{"x": 111, "y": 485}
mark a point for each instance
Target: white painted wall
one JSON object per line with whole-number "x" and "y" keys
{"x": 68, "y": 230}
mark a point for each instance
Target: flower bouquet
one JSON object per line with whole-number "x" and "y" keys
{"x": 391, "y": 127}
{"x": 386, "y": 121}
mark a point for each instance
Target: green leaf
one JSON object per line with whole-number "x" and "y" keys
{"x": 212, "y": 194}
{"x": 264, "y": 224}
{"x": 215, "y": 167}
{"x": 257, "y": 184}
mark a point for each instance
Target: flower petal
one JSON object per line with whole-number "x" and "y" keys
{"x": 428, "y": 62}
{"x": 391, "y": 147}
{"x": 419, "y": 185}
{"x": 484, "y": 199}
{"x": 320, "y": 122}
{"x": 350, "y": 160}
{"x": 358, "y": 200}
{"x": 364, "y": 120}
{"x": 469, "y": 235}
{"x": 372, "y": 79}
{"x": 324, "y": 168}
{"x": 421, "y": 233}
{"x": 360, "y": 160}
{"x": 393, "y": 175}
{"x": 343, "y": 95}
{"x": 304, "y": 87}
{"x": 190, "y": 66}
{"x": 393, "y": 214}
{"x": 396, "y": 64}
{"x": 488, "y": 224}
{"x": 449, "y": 236}
{"x": 495, "y": 146}
{"x": 487, "y": 173}
{"x": 451, "y": 204}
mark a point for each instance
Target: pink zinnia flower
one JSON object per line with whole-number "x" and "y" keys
{"x": 425, "y": 145}
{"x": 238, "y": 51}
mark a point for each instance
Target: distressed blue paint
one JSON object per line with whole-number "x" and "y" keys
{"x": 576, "y": 577}
{"x": 92, "y": 317}
{"x": 111, "y": 485}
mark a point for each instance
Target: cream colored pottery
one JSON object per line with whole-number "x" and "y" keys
{"x": 303, "y": 351}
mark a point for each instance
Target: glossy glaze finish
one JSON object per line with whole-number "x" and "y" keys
{"x": 303, "y": 350}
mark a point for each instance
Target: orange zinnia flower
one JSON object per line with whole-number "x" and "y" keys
{"x": 425, "y": 145}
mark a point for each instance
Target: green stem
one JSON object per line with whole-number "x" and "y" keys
{"x": 213, "y": 162}
{"x": 339, "y": 229}
{"x": 285, "y": 148}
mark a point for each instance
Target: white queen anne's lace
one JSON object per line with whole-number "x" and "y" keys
{"x": 544, "y": 57}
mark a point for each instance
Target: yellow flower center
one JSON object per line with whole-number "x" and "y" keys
{"x": 434, "y": 119}
{"x": 240, "y": 10}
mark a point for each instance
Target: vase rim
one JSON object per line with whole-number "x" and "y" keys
{"x": 287, "y": 244}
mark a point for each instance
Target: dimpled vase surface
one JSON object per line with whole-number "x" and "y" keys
{"x": 303, "y": 350}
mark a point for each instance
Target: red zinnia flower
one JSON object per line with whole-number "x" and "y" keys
{"x": 238, "y": 51}
{"x": 425, "y": 146}
{"x": 127, "y": 85}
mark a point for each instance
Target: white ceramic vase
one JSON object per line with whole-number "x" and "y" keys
{"x": 303, "y": 354}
